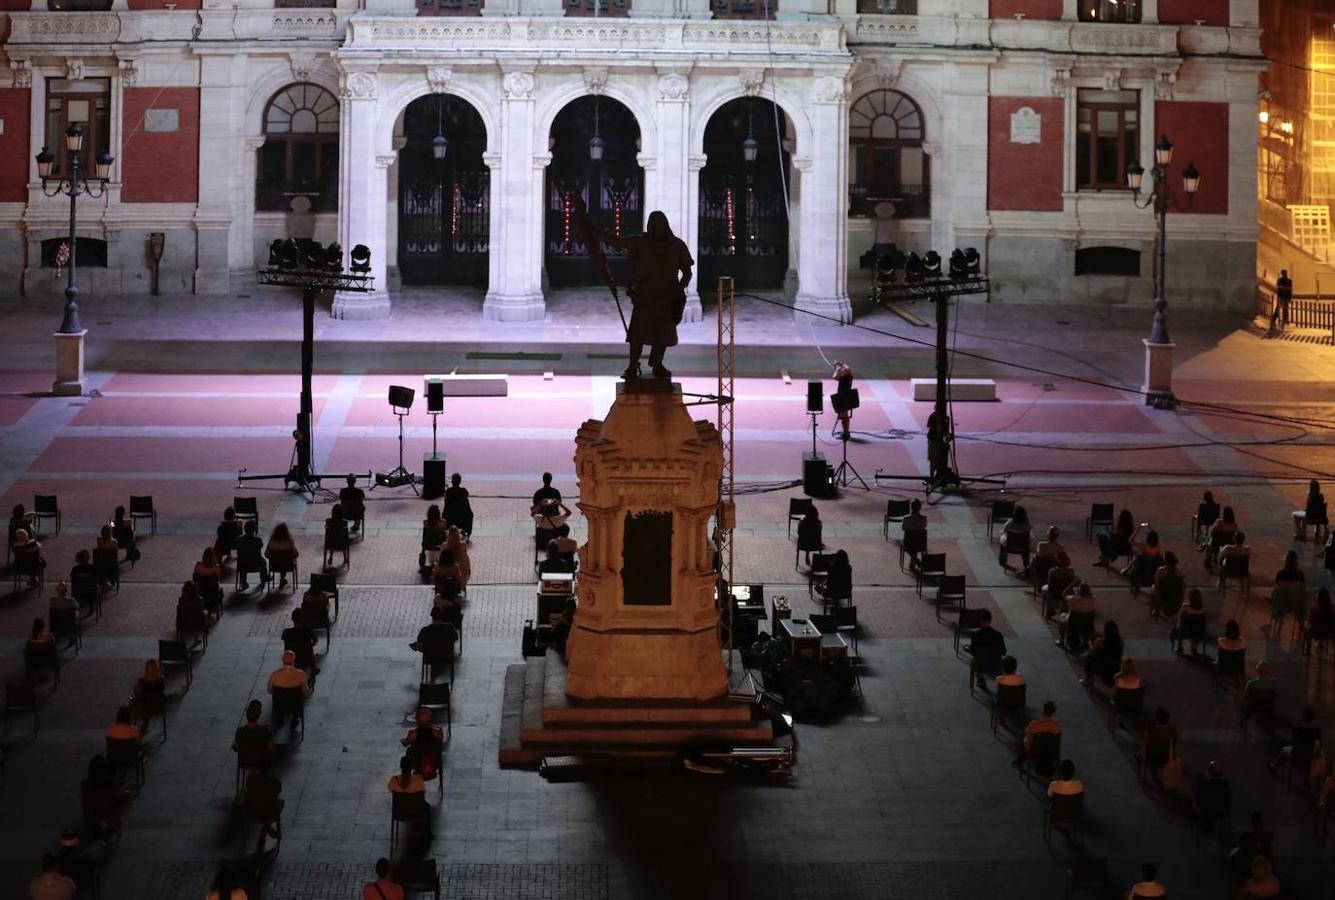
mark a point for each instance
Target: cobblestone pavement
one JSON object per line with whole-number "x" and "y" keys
{"x": 907, "y": 794}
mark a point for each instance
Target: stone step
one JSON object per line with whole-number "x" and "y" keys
{"x": 558, "y": 709}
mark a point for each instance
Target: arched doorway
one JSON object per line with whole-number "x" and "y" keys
{"x": 743, "y": 206}
{"x": 299, "y": 157}
{"x": 444, "y": 194}
{"x": 594, "y": 143}
{"x": 885, "y": 136}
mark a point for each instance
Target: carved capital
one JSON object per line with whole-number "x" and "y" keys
{"x": 253, "y": 141}
{"x": 385, "y": 160}
{"x": 129, "y": 71}
{"x": 886, "y": 72}
{"x": 673, "y": 86}
{"x": 438, "y": 78}
{"x": 22, "y": 70}
{"x": 491, "y": 160}
{"x": 752, "y": 80}
{"x": 931, "y": 149}
{"x": 400, "y": 141}
{"x": 1112, "y": 80}
{"x": 359, "y": 86}
{"x": 1060, "y": 85}
{"x": 595, "y": 80}
{"x": 542, "y": 160}
{"x": 518, "y": 85}
{"x": 74, "y": 69}
{"x": 303, "y": 64}
{"x": 829, "y": 89}
{"x": 802, "y": 163}
{"x": 696, "y": 163}
{"x": 1163, "y": 85}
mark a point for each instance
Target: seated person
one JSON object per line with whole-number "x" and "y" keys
{"x": 1061, "y": 579}
{"x": 73, "y": 861}
{"x": 301, "y": 641}
{"x": 1148, "y": 886}
{"x": 1221, "y": 534}
{"x": 914, "y": 521}
{"x": 548, "y": 517}
{"x": 1146, "y": 557}
{"x": 436, "y": 641}
{"x": 190, "y": 615}
{"x": 226, "y": 885}
{"x": 561, "y": 627}
{"x": 1232, "y": 638}
{"x": 208, "y": 576}
{"x": 122, "y": 527}
{"x": 106, "y": 540}
{"x": 1190, "y": 620}
{"x": 1127, "y": 678}
{"x": 1158, "y": 741}
{"x": 148, "y": 692}
{"x": 1306, "y": 734}
{"x": 458, "y": 548}
{"x": 1117, "y": 542}
{"x": 986, "y": 643}
{"x": 1257, "y": 841}
{"x": 1010, "y": 673}
{"x": 250, "y": 554}
{"x": 554, "y": 561}
{"x": 1017, "y": 528}
{"x": 1214, "y": 794}
{"x": 1066, "y": 784}
{"x": 565, "y": 544}
{"x": 458, "y": 511}
{"x": 28, "y": 556}
{"x": 838, "y": 583}
{"x": 809, "y": 530}
{"x": 1320, "y": 620}
{"x": 1207, "y": 513}
{"x": 406, "y": 781}
{"x": 289, "y": 676}
{"x": 229, "y": 529}
{"x": 1080, "y": 601}
{"x": 546, "y": 493}
{"x": 424, "y": 743}
{"x": 434, "y": 533}
{"x": 1236, "y": 550}
{"x": 253, "y": 741}
{"x": 383, "y": 888}
{"x": 1263, "y": 882}
{"x": 102, "y": 799}
{"x": 1170, "y": 583}
{"x": 1104, "y": 658}
{"x": 123, "y": 729}
{"x": 1261, "y": 688}
{"x": 39, "y": 652}
{"x": 1045, "y": 556}
{"x": 20, "y": 518}
{"x": 51, "y": 884}
{"x": 83, "y": 566}
{"x": 63, "y": 604}
{"x": 1313, "y": 511}
{"x": 336, "y": 535}
{"x": 315, "y": 607}
{"x": 353, "y": 501}
{"x": 445, "y": 572}
{"x": 264, "y": 794}
{"x": 282, "y": 553}
{"x": 1046, "y": 723}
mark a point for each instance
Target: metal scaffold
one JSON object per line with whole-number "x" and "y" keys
{"x": 727, "y": 515}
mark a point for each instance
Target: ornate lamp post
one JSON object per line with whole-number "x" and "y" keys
{"x": 1158, "y": 348}
{"x": 69, "y": 339}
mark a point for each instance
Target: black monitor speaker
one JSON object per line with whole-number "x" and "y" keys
{"x": 401, "y": 397}
{"x": 815, "y": 478}
{"x": 435, "y": 395}
{"x": 433, "y": 476}
{"x": 815, "y": 397}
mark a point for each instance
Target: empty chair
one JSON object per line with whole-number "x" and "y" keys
{"x": 127, "y": 755}
{"x": 407, "y": 809}
{"x": 436, "y": 697}
{"x": 64, "y": 625}
{"x": 142, "y": 508}
{"x": 45, "y": 506}
{"x": 1001, "y": 511}
{"x": 797, "y": 510}
{"x": 931, "y": 567}
{"x": 950, "y": 590}
{"x": 1101, "y": 515}
{"x": 172, "y": 654}
{"x": 21, "y": 697}
{"x": 315, "y": 616}
{"x": 895, "y": 512}
{"x": 246, "y": 508}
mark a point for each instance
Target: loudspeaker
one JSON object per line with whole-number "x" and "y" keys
{"x": 815, "y": 397}
{"x": 815, "y": 480}
{"x": 433, "y": 476}
{"x": 435, "y": 395}
{"x": 401, "y": 397}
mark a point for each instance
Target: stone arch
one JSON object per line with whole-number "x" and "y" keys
{"x": 274, "y": 80}
{"x": 404, "y": 91}
{"x": 711, "y": 98}
{"x": 551, "y": 103}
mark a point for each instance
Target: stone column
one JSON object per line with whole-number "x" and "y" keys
{"x": 515, "y": 293}
{"x": 221, "y": 118}
{"x": 362, "y": 191}
{"x": 822, "y": 265}
{"x": 690, "y": 233}
{"x": 675, "y": 175}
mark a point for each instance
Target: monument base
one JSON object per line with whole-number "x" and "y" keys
{"x": 538, "y": 719}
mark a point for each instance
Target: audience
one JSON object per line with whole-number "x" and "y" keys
{"x": 1061, "y": 578}
{"x": 1170, "y": 583}
{"x": 434, "y": 532}
{"x": 1258, "y": 841}
{"x": 101, "y": 798}
{"x": 253, "y": 741}
{"x": 1306, "y": 733}
{"x": 809, "y": 529}
{"x": 914, "y": 521}
{"x": 300, "y": 642}
{"x": 1236, "y": 550}
{"x": 336, "y": 538}
{"x": 1016, "y": 527}
{"x": 250, "y": 554}
{"x": 1221, "y": 534}
{"x": 123, "y": 729}
{"x": 1148, "y": 886}
{"x": 1314, "y": 510}
{"x": 1128, "y": 679}
{"x": 106, "y": 540}
{"x": 1232, "y": 637}
{"x": 436, "y": 641}
{"x": 208, "y": 576}
{"x": 986, "y": 644}
{"x": 28, "y": 556}
{"x": 1065, "y": 783}
{"x": 1262, "y": 882}
{"x": 554, "y": 561}
{"x": 353, "y": 501}
{"x": 1046, "y": 723}
{"x": 1262, "y": 685}
{"x": 83, "y": 566}
{"x": 20, "y": 518}
{"x": 1320, "y": 621}
{"x": 1104, "y": 658}
{"x": 406, "y": 781}
{"x": 1117, "y": 542}
{"x": 1190, "y": 622}
{"x": 122, "y": 527}
{"x": 1047, "y": 553}
{"x": 458, "y": 548}
{"x": 1158, "y": 742}
{"x": 1146, "y": 558}
{"x": 1010, "y": 673}
{"x": 149, "y": 692}
{"x": 63, "y": 605}
{"x": 546, "y": 493}
{"x": 838, "y": 584}
{"x": 1214, "y": 794}
{"x": 289, "y": 676}
{"x": 423, "y": 744}
{"x": 1206, "y": 513}
{"x": 383, "y": 888}
{"x": 1080, "y": 602}
{"x": 446, "y": 575}
{"x": 458, "y": 511}
{"x": 229, "y": 529}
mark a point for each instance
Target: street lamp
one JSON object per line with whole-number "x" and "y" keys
{"x": 73, "y": 186}
{"x": 1158, "y": 360}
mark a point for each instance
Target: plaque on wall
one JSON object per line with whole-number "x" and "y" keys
{"x": 1026, "y": 126}
{"x": 646, "y": 559}
{"x": 162, "y": 120}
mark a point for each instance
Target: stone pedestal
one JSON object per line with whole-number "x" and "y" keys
{"x": 69, "y": 364}
{"x": 514, "y": 307}
{"x": 1158, "y": 385}
{"x": 352, "y": 305}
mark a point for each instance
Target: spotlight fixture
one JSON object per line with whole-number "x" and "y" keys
{"x": 333, "y": 257}
{"x": 965, "y": 264}
{"x": 913, "y": 269}
{"x": 360, "y": 259}
{"x": 312, "y": 256}
{"x": 275, "y": 253}
{"x": 931, "y": 263}
{"x": 288, "y": 255}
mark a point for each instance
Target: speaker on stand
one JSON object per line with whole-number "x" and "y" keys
{"x": 815, "y": 477}
{"x": 433, "y": 463}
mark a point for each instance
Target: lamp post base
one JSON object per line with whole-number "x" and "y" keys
{"x": 69, "y": 364}
{"x": 1158, "y": 386}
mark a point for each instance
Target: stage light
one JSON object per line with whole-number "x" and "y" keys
{"x": 1191, "y": 179}
{"x": 913, "y": 268}
{"x": 288, "y": 255}
{"x": 931, "y": 263}
{"x": 360, "y": 259}
{"x": 958, "y": 268}
{"x": 275, "y": 253}
{"x": 312, "y": 256}
{"x": 973, "y": 260}
{"x": 333, "y": 257}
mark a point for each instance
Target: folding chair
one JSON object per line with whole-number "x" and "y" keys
{"x": 1127, "y": 703}
{"x": 1100, "y": 514}
{"x": 798, "y": 507}
{"x": 895, "y": 512}
{"x": 21, "y": 697}
{"x": 246, "y": 508}
{"x": 950, "y": 590}
{"x": 142, "y": 508}
{"x": 106, "y": 563}
{"x": 175, "y": 653}
{"x": 1238, "y": 567}
{"x": 126, "y": 755}
{"x": 85, "y": 591}
{"x": 436, "y": 697}
{"x": 65, "y": 624}
{"x": 289, "y": 703}
{"x": 44, "y": 506}
{"x": 969, "y": 621}
{"x": 930, "y": 566}
{"x": 912, "y": 542}
{"x": 1001, "y": 511}
{"x": 1010, "y": 698}
{"x": 418, "y": 876}
{"x": 1063, "y": 809}
{"x": 407, "y": 809}
{"x": 329, "y": 584}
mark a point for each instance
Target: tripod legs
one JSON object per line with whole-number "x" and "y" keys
{"x": 400, "y": 474}
{"x": 845, "y": 470}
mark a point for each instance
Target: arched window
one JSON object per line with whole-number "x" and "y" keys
{"x": 885, "y": 131}
{"x": 299, "y": 157}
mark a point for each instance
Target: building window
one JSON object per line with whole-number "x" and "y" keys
{"x": 87, "y": 252}
{"x": 78, "y": 5}
{"x": 744, "y": 9}
{"x": 1109, "y": 10}
{"x": 299, "y": 157}
{"x": 1107, "y": 138}
{"x": 1107, "y": 261}
{"x": 86, "y": 101}
{"x": 885, "y": 134}
{"x": 597, "y": 7}
{"x": 449, "y": 7}
{"x": 889, "y": 7}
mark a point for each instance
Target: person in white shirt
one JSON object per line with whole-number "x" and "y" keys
{"x": 289, "y": 676}
{"x": 550, "y": 516}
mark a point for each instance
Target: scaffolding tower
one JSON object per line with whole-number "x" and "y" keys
{"x": 726, "y": 517}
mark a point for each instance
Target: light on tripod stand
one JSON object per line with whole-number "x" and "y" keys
{"x": 401, "y": 401}
{"x": 844, "y": 401}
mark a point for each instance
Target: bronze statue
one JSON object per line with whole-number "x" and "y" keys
{"x": 658, "y": 296}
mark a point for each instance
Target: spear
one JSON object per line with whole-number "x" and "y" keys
{"x": 591, "y": 240}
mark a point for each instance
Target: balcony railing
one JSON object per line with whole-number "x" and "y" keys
{"x": 449, "y": 7}
{"x": 888, "y": 7}
{"x": 598, "y": 8}
{"x": 744, "y": 9}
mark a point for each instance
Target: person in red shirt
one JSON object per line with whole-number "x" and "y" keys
{"x": 383, "y": 888}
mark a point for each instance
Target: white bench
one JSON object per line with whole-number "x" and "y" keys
{"x": 962, "y": 390}
{"x": 471, "y": 385}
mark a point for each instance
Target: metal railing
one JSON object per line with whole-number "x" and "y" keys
{"x": 1316, "y": 311}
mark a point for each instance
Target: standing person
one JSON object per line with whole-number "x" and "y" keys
{"x": 1283, "y": 294}
{"x": 843, "y": 377}
{"x": 383, "y": 888}
{"x": 663, "y": 268}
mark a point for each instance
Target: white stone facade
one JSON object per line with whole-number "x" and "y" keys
{"x": 673, "y": 66}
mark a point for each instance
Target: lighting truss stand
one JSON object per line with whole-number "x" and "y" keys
{"x": 841, "y": 474}
{"x": 939, "y": 290}
{"x": 300, "y": 477}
